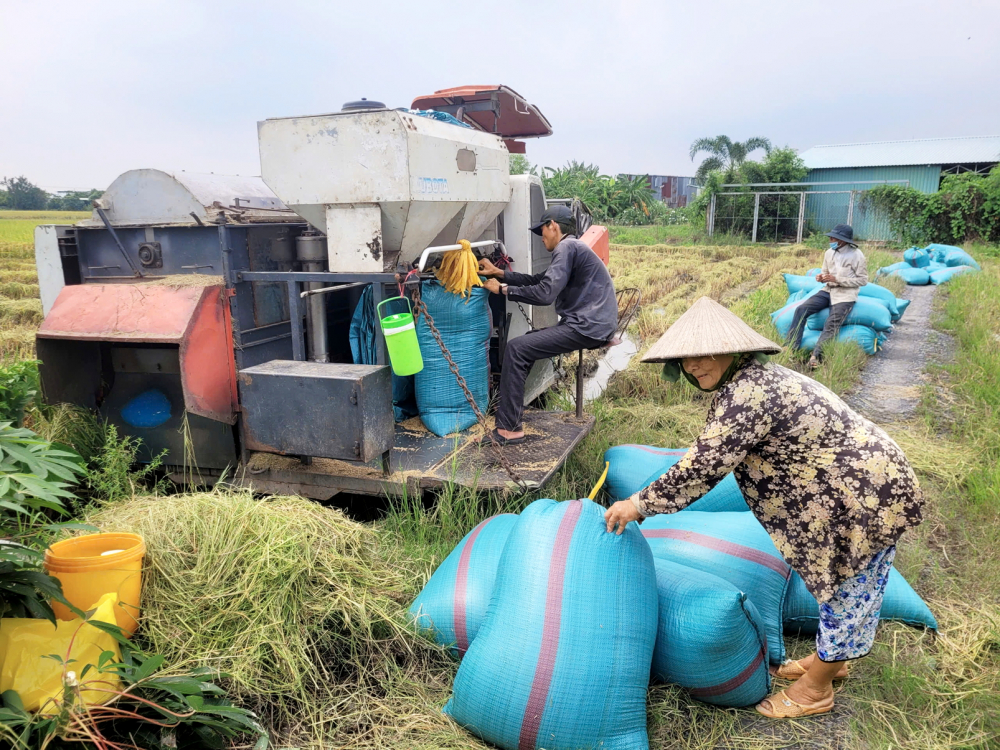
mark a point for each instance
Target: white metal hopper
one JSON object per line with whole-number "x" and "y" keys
{"x": 384, "y": 184}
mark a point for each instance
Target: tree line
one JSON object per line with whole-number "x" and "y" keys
{"x": 20, "y": 194}
{"x": 626, "y": 200}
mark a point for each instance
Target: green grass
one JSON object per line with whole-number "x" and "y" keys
{"x": 17, "y": 229}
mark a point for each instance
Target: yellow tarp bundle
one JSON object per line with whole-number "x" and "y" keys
{"x": 25, "y": 644}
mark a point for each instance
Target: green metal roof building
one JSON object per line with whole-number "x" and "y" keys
{"x": 856, "y": 166}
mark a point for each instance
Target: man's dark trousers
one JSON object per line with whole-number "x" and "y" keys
{"x": 520, "y": 355}
{"x": 816, "y": 303}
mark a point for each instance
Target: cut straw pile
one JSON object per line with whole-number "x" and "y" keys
{"x": 294, "y": 600}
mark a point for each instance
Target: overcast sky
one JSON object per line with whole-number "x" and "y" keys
{"x": 92, "y": 89}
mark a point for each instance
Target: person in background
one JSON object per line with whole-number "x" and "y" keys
{"x": 844, "y": 272}
{"x": 832, "y": 489}
{"x": 579, "y": 284}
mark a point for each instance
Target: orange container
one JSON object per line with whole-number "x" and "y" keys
{"x": 598, "y": 240}
{"x": 91, "y": 566}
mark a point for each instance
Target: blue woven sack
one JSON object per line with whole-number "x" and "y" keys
{"x": 782, "y": 318}
{"x": 866, "y": 312}
{"x": 364, "y": 342}
{"x": 883, "y": 295}
{"x": 634, "y": 467}
{"x": 562, "y": 659}
{"x": 885, "y": 270}
{"x": 464, "y": 324}
{"x": 808, "y": 283}
{"x": 917, "y": 257}
{"x": 800, "y": 283}
{"x": 901, "y": 305}
{"x": 814, "y": 272}
{"x": 453, "y": 603}
{"x": 944, "y": 275}
{"x": 901, "y": 603}
{"x": 865, "y": 337}
{"x": 951, "y": 255}
{"x": 710, "y": 639}
{"x": 912, "y": 276}
{"x": 735, "y": 547}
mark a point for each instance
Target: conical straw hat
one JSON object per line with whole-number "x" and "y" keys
{"x": 708, "y": 328}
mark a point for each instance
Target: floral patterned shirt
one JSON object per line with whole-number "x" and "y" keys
{"x": 831, "y": 488}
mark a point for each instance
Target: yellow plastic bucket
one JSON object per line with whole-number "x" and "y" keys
{"x": 97, "y": 564}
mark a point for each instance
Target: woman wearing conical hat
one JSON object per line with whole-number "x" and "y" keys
{"x": 832, "y": 489}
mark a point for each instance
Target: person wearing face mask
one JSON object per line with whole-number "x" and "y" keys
{"x": 844, "y": 272}
{"x": 832, "y": 489}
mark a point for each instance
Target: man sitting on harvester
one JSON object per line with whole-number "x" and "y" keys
{"x": 579, "y": 284}
{"x": 844, "y": 272}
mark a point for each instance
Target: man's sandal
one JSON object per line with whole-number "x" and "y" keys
{"x": 793, "y": 670}
{"x": 780, "y": 706}
{"x": 495, "y": 435}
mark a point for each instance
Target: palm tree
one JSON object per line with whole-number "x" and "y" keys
{"x": 726, "y": 155}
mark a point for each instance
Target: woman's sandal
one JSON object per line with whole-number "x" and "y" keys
{"x": 793, "y": 670}
{"x": 783, "y": 707}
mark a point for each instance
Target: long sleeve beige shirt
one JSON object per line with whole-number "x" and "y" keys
{"x": 849, "y": 267}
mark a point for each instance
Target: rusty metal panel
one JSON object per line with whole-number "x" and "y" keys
{"x": 121, "y": 312}
{"x": 317, "y": 409}
{"x": 208, "y": 367}
{"x": 194, "y": 318}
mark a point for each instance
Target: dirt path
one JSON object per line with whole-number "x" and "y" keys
{"x": 889, "y": 390}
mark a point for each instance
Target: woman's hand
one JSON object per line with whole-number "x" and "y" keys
{"x": 487, "y": 269}
{"x": 620, "y": 514}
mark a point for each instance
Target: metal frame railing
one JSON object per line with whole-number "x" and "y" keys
{"x": 712, "y": 216}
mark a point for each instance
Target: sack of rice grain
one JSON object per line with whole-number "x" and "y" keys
{"x": 951, "y": 255}
{"x": 782, "y": 318}
{"x": 710, "y": 638}
{"x": 944, "y": 275}
{"x": 912, "y": 276}
{"x": 867, "y": 311}
{"x": 562, "y": 660}
{"x": 453, "y": 603}
{"x": 917, "y": 257}
{"x": 734, "y": 547}
{"x": 867, "y": 338}
{"x": 634, "y": 467}
{"x": 464, "y": 324}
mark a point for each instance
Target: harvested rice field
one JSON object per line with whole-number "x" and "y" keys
{"x": 20, "y": 307}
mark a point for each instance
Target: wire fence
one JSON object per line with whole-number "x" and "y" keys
{"x": 782, "y": 213}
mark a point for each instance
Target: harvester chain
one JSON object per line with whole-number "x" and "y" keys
{"x": 421, "y": 309}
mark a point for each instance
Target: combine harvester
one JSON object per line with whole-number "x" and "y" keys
{"x": 208, "y": 315}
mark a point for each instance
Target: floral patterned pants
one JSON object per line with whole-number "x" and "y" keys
{"x": 847, "y": 622}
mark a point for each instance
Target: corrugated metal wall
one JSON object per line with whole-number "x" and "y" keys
{"x": 825, "y": 211}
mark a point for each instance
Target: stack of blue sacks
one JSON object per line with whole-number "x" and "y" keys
{"x": 934, "y": 264}
{"x": 868, "y": 324}
{"x": 560, "y": 626}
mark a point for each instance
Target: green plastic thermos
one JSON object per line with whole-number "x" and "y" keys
{"x": 401, "y": 339}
